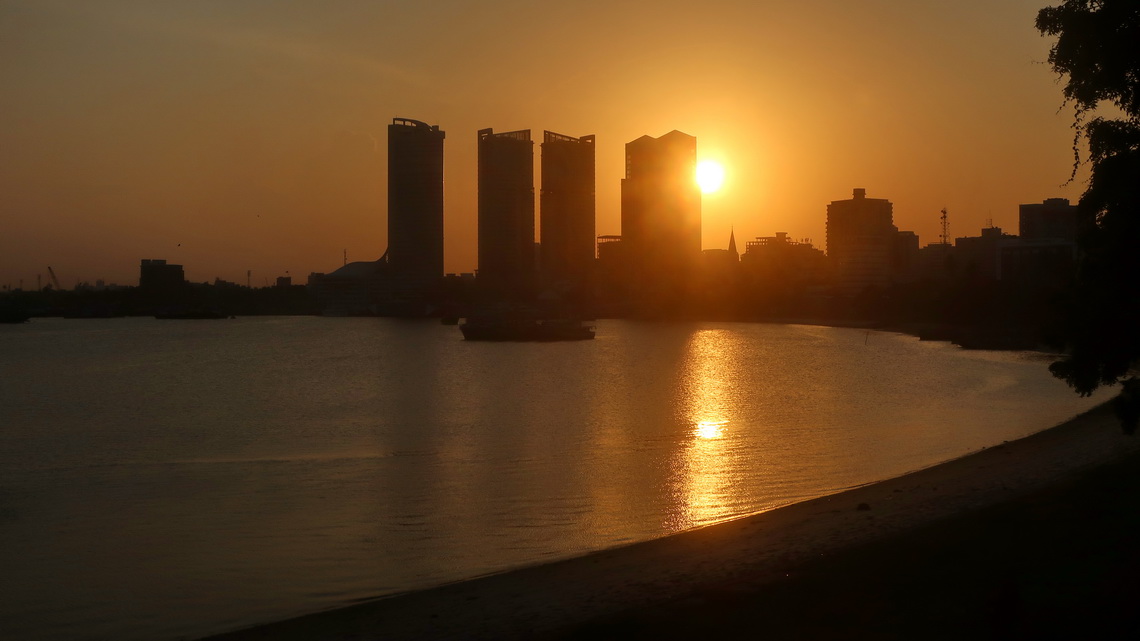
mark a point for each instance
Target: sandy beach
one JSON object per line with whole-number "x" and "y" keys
{"x": 1016, "y": 541}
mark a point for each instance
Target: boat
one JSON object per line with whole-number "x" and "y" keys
{"x": 93, "y": 311}
{"x": 192, "y": 315}
{"x": 13, "y": 315}
{"x": 503, "y": 329}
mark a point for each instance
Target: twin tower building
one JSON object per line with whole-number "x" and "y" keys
{"x": 660, "y": 213}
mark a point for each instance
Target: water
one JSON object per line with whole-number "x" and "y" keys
{"x": 169, "y": 479}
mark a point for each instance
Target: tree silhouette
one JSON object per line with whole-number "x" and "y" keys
{"x": 1098, "y": 50}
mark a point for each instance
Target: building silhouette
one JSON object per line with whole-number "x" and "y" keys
{"x": 721, "y": 260}
{"x": 1053, "y": 219}
{"x": 904, "y": 256}
{"x": 354, "y": 289}
{"x": 162, "y": 285}
{"x": 1043, "y": 258}
{"x": 782, "y": 260}
{"x": 567, "y": 212}
{"x": 1046, "y": 253}
{"x": 861, "y": 238}
{"x": 611, "y": 267}
{"x": 661, "y": 211}
{"x": 506, "y": 212}
{"x": 156, "y": 276}
{"x": 978, "y": 258}
{"x": 415, "y": 204}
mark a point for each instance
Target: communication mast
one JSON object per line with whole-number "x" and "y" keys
{"x": 945, "y": 227}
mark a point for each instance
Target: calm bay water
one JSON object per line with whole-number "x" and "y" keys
{"x": 169, "y": 479}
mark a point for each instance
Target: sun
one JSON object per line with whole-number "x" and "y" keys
{"x": 710, "y": 176}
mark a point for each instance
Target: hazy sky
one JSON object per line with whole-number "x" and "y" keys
{"x": 251, "y": 134}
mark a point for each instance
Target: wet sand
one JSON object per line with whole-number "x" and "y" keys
{"x": 1029, "y": 539}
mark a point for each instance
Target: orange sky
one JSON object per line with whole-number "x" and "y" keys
{"x": 229, "y": 136}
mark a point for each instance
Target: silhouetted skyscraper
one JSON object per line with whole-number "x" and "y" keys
{"x": 156, "y": 276}
{"x": 661, "y": 207}
{"x": 415, "y": 203}
{"x": 860, "y": 240}
{"x": 161, "y": 284}
{"x": 1046, "y": 252}
{"x": 506, "y": 211}
{"x": 567, "y": 213}
{"x": 1054, "y": 219}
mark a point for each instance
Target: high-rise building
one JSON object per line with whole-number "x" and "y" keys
{"x": 415, "y": 203}
{"x": 161, "y": 284}
{"x": 1045, "y": 254}
{"x": 860, "y": 241}
{"x": 158, "y": 276}
{"x": 1053, "y": 219}
{"x": 506, "y": 211}
{"x": 977, "y": 258}
{"x": 661, "y": 208}
{"x": 567, "y": 211}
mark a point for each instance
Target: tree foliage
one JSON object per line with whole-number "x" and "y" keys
{"x": 1097, "y": 51}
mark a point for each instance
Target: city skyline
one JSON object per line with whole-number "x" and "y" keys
{"x": 229, "y": 139}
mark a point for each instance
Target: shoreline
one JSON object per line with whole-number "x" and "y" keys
{"x": 553, "y": 600}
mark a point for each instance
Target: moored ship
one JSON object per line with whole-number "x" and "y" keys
{"x": 194, "y": 314}
{"x": 504, "y": 329}
{"x": 13, "y": 315}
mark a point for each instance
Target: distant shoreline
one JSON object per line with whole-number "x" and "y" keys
{"x": 996, "y": 338}
{"x": 1005, "y": 338}
{"x": 602, "y": 589}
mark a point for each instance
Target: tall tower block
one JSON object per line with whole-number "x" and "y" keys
{"x": 860, "y": 232}
{"x": 567, "y": 211}
{"x": 415, "y": 203}
{"x": 661, "y": 207}
{"x": 506, "y": 211}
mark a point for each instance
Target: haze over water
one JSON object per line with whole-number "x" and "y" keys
{"x": 172, "y": 479}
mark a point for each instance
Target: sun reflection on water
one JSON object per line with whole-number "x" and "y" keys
{"x": 705, "y": 469}
{"x": 710, "y": 429}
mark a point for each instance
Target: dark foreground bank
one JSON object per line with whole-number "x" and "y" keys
{"x": 1060, "y": 563}
{"x": 1032, "y": 539}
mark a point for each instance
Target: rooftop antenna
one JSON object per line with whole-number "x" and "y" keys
{"x": 945, "y": 227}
{"x": 345, "y": 256}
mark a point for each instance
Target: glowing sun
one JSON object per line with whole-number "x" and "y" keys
{"x": 710, "y": 176}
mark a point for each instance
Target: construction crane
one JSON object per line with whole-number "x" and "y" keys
{"x": 54, "y": 280}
